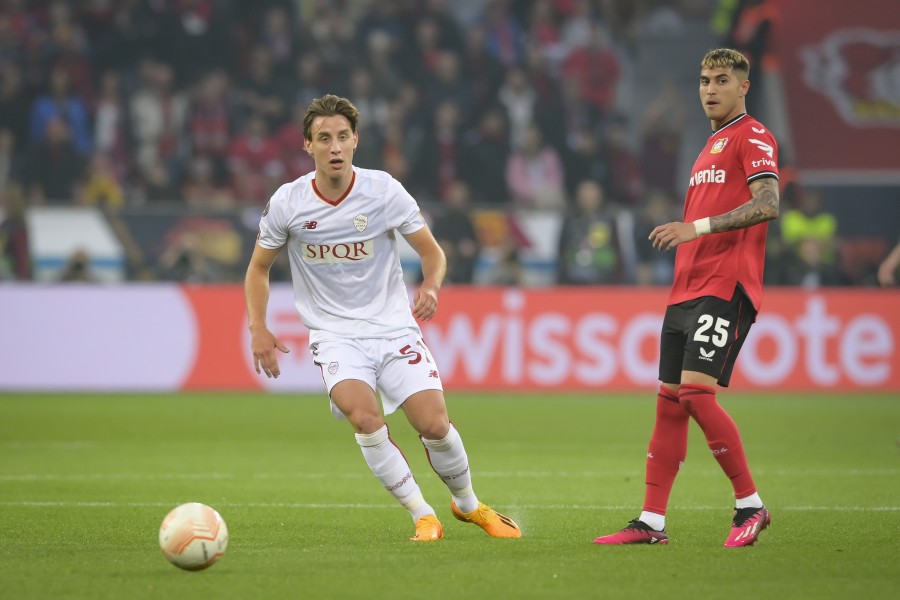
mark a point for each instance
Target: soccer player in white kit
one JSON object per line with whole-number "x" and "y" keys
{"x": 338, "y": 225}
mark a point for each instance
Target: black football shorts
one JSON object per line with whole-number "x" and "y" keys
{"x": 705, "y": 335}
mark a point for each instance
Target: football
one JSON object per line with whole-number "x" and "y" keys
{"x": 193, "y": 536}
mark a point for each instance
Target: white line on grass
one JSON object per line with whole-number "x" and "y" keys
{"x": 25, "y": 477}
{"x": 70, "y": 445}
{"x": 302, "y": 505}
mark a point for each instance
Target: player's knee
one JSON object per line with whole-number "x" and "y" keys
{"x": 364, "y": 421}
{"x": 436, "y": 428}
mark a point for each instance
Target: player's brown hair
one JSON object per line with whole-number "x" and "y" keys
{"x": 329, "y": 105}
{"x": 726, "y": 58}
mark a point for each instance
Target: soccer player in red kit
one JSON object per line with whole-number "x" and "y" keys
{"x": 733, "y": 192}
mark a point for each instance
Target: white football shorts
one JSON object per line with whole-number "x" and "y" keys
{"x": 396, "y": 368}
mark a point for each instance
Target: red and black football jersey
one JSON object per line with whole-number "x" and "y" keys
{"x": 736, "y": 154}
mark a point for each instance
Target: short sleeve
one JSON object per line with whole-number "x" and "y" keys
{"x": 273, "y": 223}
{"x": 760, "y": 154}
{"x": 401, "y": 209}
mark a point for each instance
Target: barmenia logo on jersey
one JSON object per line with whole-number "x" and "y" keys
{"x": 338, "y": 253}
{"x": 710, "y": 175}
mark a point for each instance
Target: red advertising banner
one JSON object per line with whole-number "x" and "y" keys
{"x": 608, "y": 338}
{"x": 167, "y": 338}
{"x": 839, "y": 65}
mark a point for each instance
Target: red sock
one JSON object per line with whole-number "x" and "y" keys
{"x": 668, "y": 448}
{"x": 721, "y": 434}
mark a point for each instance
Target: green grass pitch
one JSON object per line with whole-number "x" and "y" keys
{"x": 85, "y": 481}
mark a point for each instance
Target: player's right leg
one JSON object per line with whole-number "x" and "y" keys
{"x": 357, "y": 401}
{"x": 347, "y": 372}
{"x": 666, "y": 454}
{"x": 668, "y": 444}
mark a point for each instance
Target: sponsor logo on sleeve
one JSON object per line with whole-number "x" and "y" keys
{"x": 762, "y": 146}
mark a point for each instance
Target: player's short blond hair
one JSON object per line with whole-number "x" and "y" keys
{"x": 329, "y": 105}
{"x": 726, "y": 58}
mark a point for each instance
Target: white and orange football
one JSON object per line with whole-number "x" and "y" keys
{"x": 193, "y": 536}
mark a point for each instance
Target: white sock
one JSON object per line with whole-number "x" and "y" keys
{"x": 654, "y": 520}
{"x": 448, "y": 459}
{"x": 751, "y": 501}
{"x": 390, "y": 467}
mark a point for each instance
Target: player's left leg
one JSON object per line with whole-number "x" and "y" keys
{"x": 715, "y": 336}
{"x": 698, "y": 396}
{"x": 427, "y": 413}
{"x": 409, "y": 379}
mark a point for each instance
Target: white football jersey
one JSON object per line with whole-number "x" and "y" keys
{"x": 345, "y": 264}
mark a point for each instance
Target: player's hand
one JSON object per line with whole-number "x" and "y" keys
{"x": 425, "y": 303}
{"x": 668, "y": 236}
{"x": 263, "y": 343}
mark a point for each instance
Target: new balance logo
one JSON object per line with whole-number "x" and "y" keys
{"x": 433, "y": 373}
{"x": 707, "y": 355}
{"x": 762, "y": 146}
{"x": 309, "y": 225}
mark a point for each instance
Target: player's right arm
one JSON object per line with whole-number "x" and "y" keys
{"x": 263, "y": 342}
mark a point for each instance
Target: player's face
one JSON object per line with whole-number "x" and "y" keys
{"x": 722, "y": 94}
{"x": 332, "y": 145}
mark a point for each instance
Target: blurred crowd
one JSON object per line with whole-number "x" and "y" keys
{"x": 471, "y": 104}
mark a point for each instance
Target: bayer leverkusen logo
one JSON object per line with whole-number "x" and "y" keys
{"x": 858, "y": 70}
{"x": 718, "y": 146}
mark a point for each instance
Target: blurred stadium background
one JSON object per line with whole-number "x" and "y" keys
{"x": 140, "y": 139}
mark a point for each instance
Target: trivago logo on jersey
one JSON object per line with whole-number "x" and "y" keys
{"x": 338, "y": 253}
{"x": 710, "y": 175}
{"x": 858, "y": 70}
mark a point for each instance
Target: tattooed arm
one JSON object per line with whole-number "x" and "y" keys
{"x": 759, "y": 209}
{"x": 762, "y": 207}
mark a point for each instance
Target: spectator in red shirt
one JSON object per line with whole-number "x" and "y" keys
{"x": 254, "y": 161}
{"x": 597, "y": 67}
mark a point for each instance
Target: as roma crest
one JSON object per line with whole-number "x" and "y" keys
{"x": 360, "y": 222}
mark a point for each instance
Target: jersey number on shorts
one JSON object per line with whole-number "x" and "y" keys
{"x": 415, "y": 355}
{"x": 720, "y": 331}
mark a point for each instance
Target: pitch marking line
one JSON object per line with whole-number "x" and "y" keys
{"x": 299, "y": 505}
{"x": 26, "y": 477}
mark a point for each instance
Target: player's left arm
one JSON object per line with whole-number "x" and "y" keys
{"x": 434, "y": 268}
{"x": 762, "y": 207}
